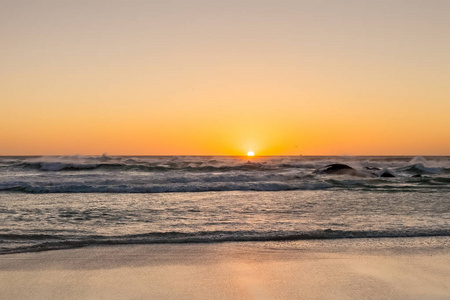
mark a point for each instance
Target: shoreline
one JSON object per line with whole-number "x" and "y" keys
{"x": 307, "y": 240}
{"x": 408, "y": 268}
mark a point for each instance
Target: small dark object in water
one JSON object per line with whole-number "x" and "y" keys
{"x": 417, "y": 175}
{"x": 387, "y": 174}
{"x": 336, "y": 168}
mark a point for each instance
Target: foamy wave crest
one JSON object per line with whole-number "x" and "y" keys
{"x": 149, "y": 164}
{"x": 361, "y": 166}
{"x": 422, "y": 169}
{"x": 420, "y": 165}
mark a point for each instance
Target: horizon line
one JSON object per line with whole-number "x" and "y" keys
{"x": 224, "y": 155}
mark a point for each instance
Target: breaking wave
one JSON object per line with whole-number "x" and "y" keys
{"x": 122, "y": 174}
{"x": 120, "y": 164}
{"x": 434, "y": 165}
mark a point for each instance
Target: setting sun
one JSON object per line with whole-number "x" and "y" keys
{"x": 250, "y": 153}
{"x": 178, "y": 78}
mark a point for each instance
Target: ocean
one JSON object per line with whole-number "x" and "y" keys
{"x": 63, "y": 202}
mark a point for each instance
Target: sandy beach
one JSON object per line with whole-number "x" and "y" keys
{"x": 411, "y": 268}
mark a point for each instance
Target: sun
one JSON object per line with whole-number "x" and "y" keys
{"x": 250, "y": 153}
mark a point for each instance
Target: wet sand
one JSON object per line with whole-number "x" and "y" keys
{"x": 343, "y": 269}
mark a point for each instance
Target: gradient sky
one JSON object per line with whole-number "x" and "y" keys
{"x": 224, "y": 77}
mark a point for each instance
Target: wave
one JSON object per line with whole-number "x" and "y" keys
{"x": 163, "y": 188}
{"x": 211, "y": 164}
{"x": 216, "y": 183}
{"x": 420, "y": 168}
{"x": 105, "y": 174}
{"x": 149, "y": 167}
{"x": 59, "y": 242}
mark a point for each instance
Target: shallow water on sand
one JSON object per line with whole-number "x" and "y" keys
{"x": 33, "y": 222}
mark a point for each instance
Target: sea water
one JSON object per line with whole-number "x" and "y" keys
{"x": 75, "y": 201}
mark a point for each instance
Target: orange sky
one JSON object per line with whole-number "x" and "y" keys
{"x": 215, "y": 78}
